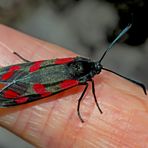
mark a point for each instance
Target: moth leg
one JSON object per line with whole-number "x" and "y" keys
{"x": 94, "y": 94}
{"x": 133, "y": 81}
{"x": 79, "y": 101}
{"x": 25, "y": 60}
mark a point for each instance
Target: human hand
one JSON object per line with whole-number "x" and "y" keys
{"x": 53, "y": 121}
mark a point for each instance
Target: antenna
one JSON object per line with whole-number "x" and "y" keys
{"x": 110, "y": 46}
{"x": 115, "y": 40}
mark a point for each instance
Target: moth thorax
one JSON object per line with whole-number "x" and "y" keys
{"x": 80, "y": 68}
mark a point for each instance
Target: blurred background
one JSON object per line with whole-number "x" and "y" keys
{"x": 86, "y": 27}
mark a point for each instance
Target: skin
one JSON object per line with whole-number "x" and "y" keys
{"x": 53, "y": 121}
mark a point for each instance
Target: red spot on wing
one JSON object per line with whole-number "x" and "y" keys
{"x": 21, "y": 100}
{"x": 2, "y": 85}
{"x": 64, "y": 60}
{"x": 10, "y": 94}
{"x": 36, "y": 66}
{"x": 10, "y": 72}
{"x": 68, "y": 83}
{"x": 40, "y": 89}
{"x": 7, "y": 75}
{"x": 15, "y": 67}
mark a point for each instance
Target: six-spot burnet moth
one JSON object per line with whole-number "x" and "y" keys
{"x": 31, "y": 81}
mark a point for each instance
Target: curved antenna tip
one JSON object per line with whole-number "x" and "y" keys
{"x": 116, "y": 39}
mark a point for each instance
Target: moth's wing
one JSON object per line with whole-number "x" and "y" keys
{"x": 31, "y": 81}
{"x": 39, "y": 93}
{"x": 18, "y": 71}
{"x": 9, "y": 72}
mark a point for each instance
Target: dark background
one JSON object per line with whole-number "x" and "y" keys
{"x": 86, "y": 27}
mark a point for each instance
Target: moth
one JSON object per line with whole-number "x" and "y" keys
{"x": 31, "y": 81}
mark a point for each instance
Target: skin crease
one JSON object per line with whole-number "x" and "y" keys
{"x": 53, "y": 121}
